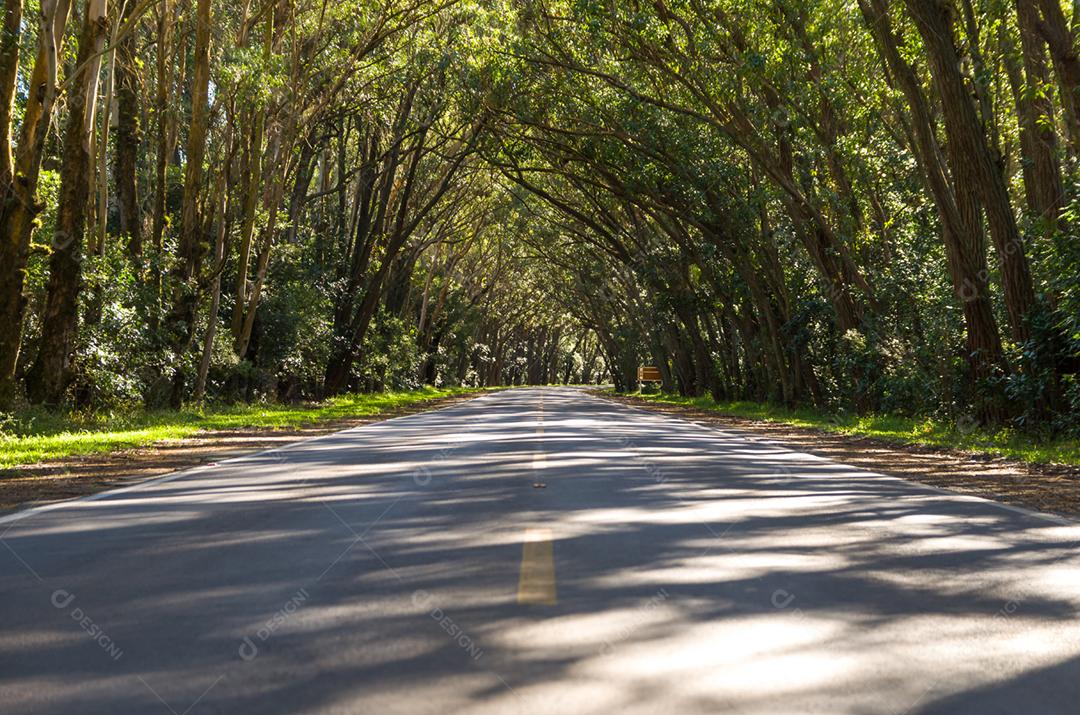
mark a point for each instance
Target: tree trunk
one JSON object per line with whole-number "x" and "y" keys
{"x": 101, "y": 146}
{"x": 253, "y": 177}
{"x": 957, "y": 208}
{"x": 165, "y": 124}
{"x": 1038, "y": 139}
{"x": 9, "y": 75}
{"x": 19, "y": 197}
{"x": 191, "y": 246}
{"x": 48, "y": 376}
{"x": 1055, "y": 30}
{"x": 11, "y": 299}
{"x": 128, "y": 140}
{"x": 972, "y": 163}
{"x": 215, "y": 285}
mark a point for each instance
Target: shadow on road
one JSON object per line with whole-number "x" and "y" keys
{"x": 375, "y": 571}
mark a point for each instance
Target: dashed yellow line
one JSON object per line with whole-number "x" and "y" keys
{"x": 536, "y": 583}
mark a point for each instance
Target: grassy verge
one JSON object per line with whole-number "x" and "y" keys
{"x": 898, "y": 430}
{"x": 37, "y": 436}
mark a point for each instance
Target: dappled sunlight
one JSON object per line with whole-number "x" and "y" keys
{"x": 694, "y": 571}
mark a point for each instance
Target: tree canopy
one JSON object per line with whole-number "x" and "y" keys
{"x": 866, "y": 205}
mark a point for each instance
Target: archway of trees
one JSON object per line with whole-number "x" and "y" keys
{"x": 865, "y": 205}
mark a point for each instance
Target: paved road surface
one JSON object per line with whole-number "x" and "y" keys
{"x": 412, "y": 566}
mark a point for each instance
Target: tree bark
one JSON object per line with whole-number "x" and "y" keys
{"x": 11, "y": 299}
{"x": 9, "y": 75}
{"x": 959, "y": 214}
{"x": 254, "y": 172}
{"x": 100, "y": 145}
{"x": 1038, "y": 138}
{"x": 222, "y": 211}
{"x": 971, "y": 160}
{"x": 19, "y": 198}
{"x": 192, "y": 245}
{"x": 128, "y": 140}
{"x": 1060, "y": 38}
{"x": 47, "y": 378}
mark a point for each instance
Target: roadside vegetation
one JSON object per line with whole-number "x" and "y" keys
{"x": 38, "y": 435}
{"x": 964, "y": 435}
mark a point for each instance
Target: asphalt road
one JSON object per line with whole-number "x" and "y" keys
{"x": 536, "y": 551}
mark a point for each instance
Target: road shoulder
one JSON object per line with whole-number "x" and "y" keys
{"x": 83, "y": 475}
{"x": 1050, "y": 489}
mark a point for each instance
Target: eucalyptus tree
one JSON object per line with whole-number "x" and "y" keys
{"x": 48, "y": 374}
{"x": 20, "y": 173}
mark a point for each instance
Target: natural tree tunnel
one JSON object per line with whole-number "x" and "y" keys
{"x": 778, "y": 202}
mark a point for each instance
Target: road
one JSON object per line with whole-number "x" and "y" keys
{"x": 536, "y": 551}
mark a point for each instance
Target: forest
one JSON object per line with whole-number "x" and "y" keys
{"x": 858, "y": 205}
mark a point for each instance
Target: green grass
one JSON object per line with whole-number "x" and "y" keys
{"x": 36, "y": 435}
{"x": 895, "y": 429}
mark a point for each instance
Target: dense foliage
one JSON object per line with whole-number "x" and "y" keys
{"x": 252, "y": 200}
{"x": 860, "y": 205}
{"x": 865, "y": 205}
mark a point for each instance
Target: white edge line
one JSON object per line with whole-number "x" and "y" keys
{"x": 735, "y": 432}
{"x": 172, "y": 476}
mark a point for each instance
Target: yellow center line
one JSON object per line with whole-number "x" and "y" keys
{"x": 536, "y": 583}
